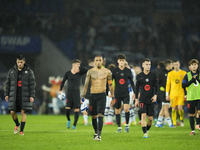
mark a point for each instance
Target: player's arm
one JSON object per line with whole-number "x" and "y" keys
{"x": 186, "y": 83}
{"x": 168, "y": 84}
{"x": 137, "y": 91}
{"x": 63, "y": 82}
{"x": 110, "y": 84}
{"x": 154, "y": 98}
{"x": 83, "y": 70}
{"x": 7, "y": 90}
{"x": 87, "y": 81}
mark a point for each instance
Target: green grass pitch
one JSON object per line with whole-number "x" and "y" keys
{"x": 49, "y": 132}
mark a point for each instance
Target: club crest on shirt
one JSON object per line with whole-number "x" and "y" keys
{"x": 122, "y": 74}
{"x": 165, "y": 74}
{"x": 26, "y": 71}
{"x": 177, "y": 81}
{"x": 147, "y": 80}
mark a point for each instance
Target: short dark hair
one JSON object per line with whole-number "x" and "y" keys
{"x": 76, "y": 61}
{"x": 193, "y": 61}
{"x": 20, "y": 57}
{"x": 98, "y": 56}
{"x": 175, "y": 60}
{"x": 168, "y": 61}
{"x": 146, "y": 59}
{"x": 111, "y": 67}
{"x": 121, "y": 56}
{"x": 161, "y": 64}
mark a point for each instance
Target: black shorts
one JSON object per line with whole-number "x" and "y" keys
{"x": 119, "y": 100}
{"x": 147, "y": 108}
{"x": 73, "y": 100}
{"x": 97, "y": 103}
{"x": 191, "y": 106}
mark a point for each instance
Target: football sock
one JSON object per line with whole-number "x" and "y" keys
{"x": 123, "y": 116}
{"x": 16, "y": 122}
{"x": 192, "y": 123}
{"x": 197, "y": 121}
{"x": 148, "y": 127}
{"x": 133, "y": 115}
{"x": 85, "y": 117}
{"x": 159, "y": 121}
{"x": 169, "y": 121}
{"x": 110, "y": 114}
{"x": 144, "y": 129}
{"x": 118, "y": 120}
{"x": 22, "y": 126}
{"x": 181, "y": 113}
{"x": 174, "y": 115}
{"x": 127, "y": 117}
{"x": 68, "y": 114}
{"x": 94, "y": 124}
{"x": 100, "y": 125}
{"x": 106, "y": 114}
{"x": 139, "y": 114}
{"x": 76, "y": 116}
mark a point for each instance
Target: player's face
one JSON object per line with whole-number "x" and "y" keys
{"x": 146, "y": 65}
{"x": 194, "y": 66}
{"x": 98, "y": 62}
{"x": 170, "y": 66}
{"x": 76, "y": 66}
{"x": 176, "y": 65}
{"x": 121, "y": 62}
{"x": 20, "y": 63}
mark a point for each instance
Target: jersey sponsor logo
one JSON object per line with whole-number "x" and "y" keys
{"x": 121, "y": 81}
{"x": 147, "y": 87}
{"x": 147, "y": 79}
{"x": 177, "y": 81}
{"x": 19, "y": 83}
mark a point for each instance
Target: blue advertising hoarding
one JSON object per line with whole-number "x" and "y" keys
{"x": 20, "y": 44}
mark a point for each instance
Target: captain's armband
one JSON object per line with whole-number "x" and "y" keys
{"x": 110, "y": 82}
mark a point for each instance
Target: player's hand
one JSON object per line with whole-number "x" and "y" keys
{"x": 133, "y": 97}
{"x": 112, "y": 103}
{"x": 60, "y": 92}
{"x": 154, "y": 98}
{"x": 31, "y": 99}
{"x": 6, "y": 98}
{"x": 167, "y": 98}
{"x": 194, "y": 76}
{"x": 110, "y": 95}
{"x": 136, "y": 103}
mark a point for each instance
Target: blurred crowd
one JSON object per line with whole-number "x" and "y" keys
{"x": 82, "y": 30}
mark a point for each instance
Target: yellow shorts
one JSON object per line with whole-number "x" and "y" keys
{"x": 176, "y": 100}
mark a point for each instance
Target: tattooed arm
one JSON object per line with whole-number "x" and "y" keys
{"x": 87, "y": 81}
